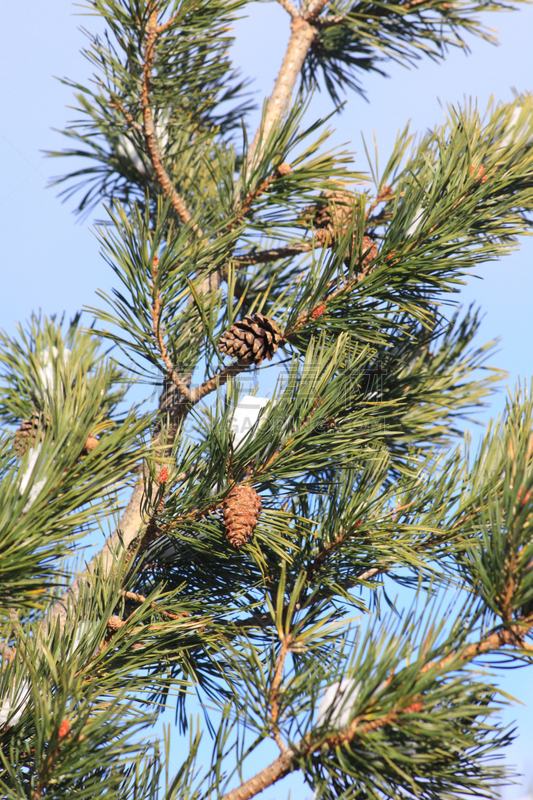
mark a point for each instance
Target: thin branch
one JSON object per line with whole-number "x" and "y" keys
{"x": 280, "y": 171}
{"x": 169, "y": 190}
{"x": 105, "y": 561}
{"x": 116, "y": 103}
{"x": 331, "y": 548}
{"x": 315, "y": 7}
{"x": 384, "y": 194}
{"x": 327, "y": 22}
{"x": 301, "y": 39}
{"x": 285, "y": 763}
{"x": 275, "y": 692}
{"x": 166, "y": 25}
{"x": 370, "y": 573}
{"x": 265, "y": 256}
{"x": 267, "y": 777}
{"x": 157, "y": 308}
{"x": 216, "y": 381}
{"x": 288, "y": 6}
{"x": 513, "y": 635}
{"x": 140, "y": 598}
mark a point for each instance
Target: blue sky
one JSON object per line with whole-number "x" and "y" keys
{"x": 50, "y": 261}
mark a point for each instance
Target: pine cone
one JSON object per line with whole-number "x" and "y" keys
{"x": 241, "y": 511}
{"x": 251, "y": 340}
{"x": 370, "y": 251}
{"x": 330, "y": 217}
{"x": 29, "y": 433}
{"x": 334, "y": 211}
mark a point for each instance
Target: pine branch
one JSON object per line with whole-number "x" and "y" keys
{"x": 105, "y": 561}
{"x": 290, "y": 8}
{"x": 513, "y": 635}
{"x": 314, "y": 9}
{"x": 267, "y": 777}
{"x": 358, "y": 727}
{"x": 276, "y": 253}
{"x": 275, "y": 691}
{"x": 302, "y": 35}
{"x": 158, "y": 332}
{"x": 150, "y": 137}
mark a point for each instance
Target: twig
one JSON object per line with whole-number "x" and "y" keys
{"x": 384, "y": 194}
{"x": 166, "y": 25}
{"x": 267, "y": 777}
{"x": 331, "y": 548}
{"x": 265, "y": 256}
{"x": 285, "y": 762}
{"x": 104, "y": 561}
{"x": 513, "y": 635}
{"x": 302, "y": 36}
{"x": 288, "y": 6}
{"x": 251, "y": 196}
{"x": 158, "y": 336}
{"x": 140, "y": 598}
{"x": 169, "y": 190}
{"x": 216, "y": 381}
{"x": 315, "y": 7}
{"x": 327, "y": 22}
{"x": 370, "y": 573}
{"x": 274, "y": 692}
{"x": 116, "y": 103}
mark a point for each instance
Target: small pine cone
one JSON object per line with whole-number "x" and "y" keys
{"x": 335, "y": 210}
{"x": 332, "y": 211}
{"x": 370, "y": 251}
{"x": 241, "y": 511}
{"x": 251, "y": 340}
{"x": 114, "y": 624}
{"x": 324, "y": 236}
{"x": 29, "y": 433}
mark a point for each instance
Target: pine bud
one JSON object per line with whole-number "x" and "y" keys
{"x": 163, "y": 475}
{"x": 64, "y": 728}
{"x": 90, "y": 443}
{"x": 284, "y": 169}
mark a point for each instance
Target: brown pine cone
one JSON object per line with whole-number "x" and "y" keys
{"x": 370, "y": 251}
{"x": 29, "y": 433}
{"x": 241, "y": 511}
{"x": 252, "y": 339}
{"x": 331, "y": 216}
{"x": 335, "y": 210}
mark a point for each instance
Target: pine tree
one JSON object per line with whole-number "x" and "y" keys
{"x": 326, "y": 569}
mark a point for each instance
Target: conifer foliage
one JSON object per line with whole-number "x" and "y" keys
{"x": 256, "y": 574}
